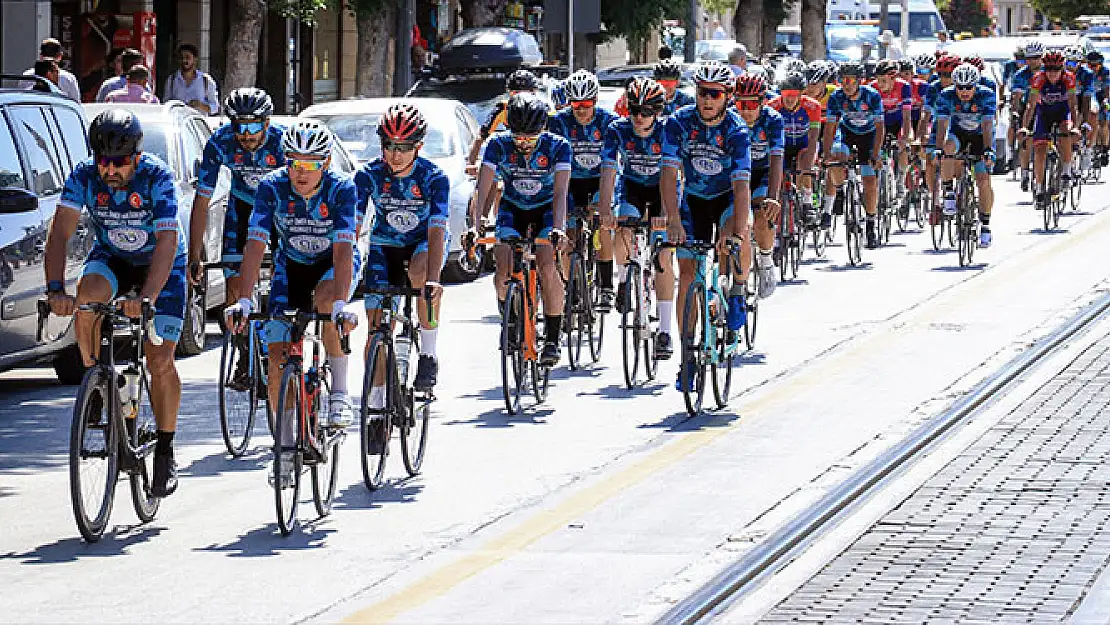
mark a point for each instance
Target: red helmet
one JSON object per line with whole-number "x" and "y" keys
{"x": 644, "y": 91}
{"x": 975, "y": 60}
{"x": 750, "y": 86}
{"x": 402, "y": 122}
{"x": 947, "y": 63}
{"x": 1053, "y": 60}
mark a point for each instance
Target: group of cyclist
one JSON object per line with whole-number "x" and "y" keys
{"x": 710, "y": 168}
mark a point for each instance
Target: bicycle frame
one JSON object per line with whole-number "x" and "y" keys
{"x": 524, "y": 273}
{"x": 706, "y": 275}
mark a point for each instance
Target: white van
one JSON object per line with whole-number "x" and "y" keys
{"x": 925, "y": 20}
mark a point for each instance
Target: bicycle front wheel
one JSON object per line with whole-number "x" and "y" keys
{"x": 574, "y": 313}
{"x": 853, "y": 226}
{"x": 630, "y": 322}
{"x": 288, "y": 456}
{"x": 325, "y": 472}
{"x": 512, "y": 348}
{"x": 722, "y": 367}
{"x": 141, "y": 436}
{"x": 237, "y": 403}
{"x": 751, "y": 301}
{"x": 93, "y": 454}
{"x": 691, "y": 373}
{"x": 375, "y": 423}
{"x": 1076, "y": 193}
{"x": 595, "y": 326}
{"x": 414, "y": 435}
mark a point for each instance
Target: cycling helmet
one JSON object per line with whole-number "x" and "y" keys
{"x": 248, "y": 103}
{"x": 402, "y": 122}
{"x": 1094, "y": 56}
{"x": 886, "y": 67}
{"x": 522, "y": 80}
{"x": 581, "y": 85}
{"x": 713, "y": 72}
{"x": 1019, "y": 52}
{"x": 667, "y": 69}
{"x": 946, "y": 64}
{"x": 818, "y": 72}
{"x": 760, "y": 71}
{"x": 851, "y": 68}
{"x": 559, "y": 96}
{"x": 526, "y": 114}
{"x": 976, "y": 60}
{"x": 1073, "y": 53}
{"x": 644, "y": 91}
{"x": 794, "y": 81}
{"x": 925, "y": 61}
{"x": 750, "y": 86}
{"x": 115, "y": 132}
{"x": 1053, "y": 60}
{"x": 966, "y": 75}
{"x": 308, "y": 137}
{"x": 906, "y": 65}
{"x": 794, "y": 65}
{"x": 1034, "y": 50}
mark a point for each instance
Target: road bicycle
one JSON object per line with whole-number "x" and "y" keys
{"x": 941, "y": 226}
{"x": 113, "y": 428}
{"x": 582, "y": 321}
{"x": 638, "y": 329}
{"x": 967, "y": 207}
{"x": 406, "y": 409}
{"x": 887, "y": 192}
{"x": 1052, "y": 205}
{"x": 853, "y": 208}
{"x": 913, "y": 206}
{"x": 790, "y": 231}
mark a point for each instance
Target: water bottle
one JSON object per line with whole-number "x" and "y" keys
{"x": 737, "y": 308}
{"x": 402, "y": 347}
{"x": 658, "y": 235}
{"x": 129, "y": 393}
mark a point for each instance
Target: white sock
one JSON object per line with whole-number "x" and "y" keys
{"x": 765, "y": 259}
{"x": 338, "y": 374}
{"x": 622, "y": 274}
{"x": 666, "y": 313}
{"x": 829, "y": 201}
{"x": 377, "y": 397}
{"x": 428, "y": 341}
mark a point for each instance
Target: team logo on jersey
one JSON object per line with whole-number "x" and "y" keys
{"x": 415, "y": 191}
{"x": 720, "y": 140}
{"x": 630, "y": 146}
{"x": 597, "y": 134}
{"x": 656, "y": 148}
{"x": 324, "y": 210}
{"x": 541, "y": 161}
{"x": 271, "y": 160}
{"x": 863, "y": 106}
{"x": 238, "y": 158}
{"x": 762, "y": 135}
{"x": 135, "y": 200}
{"x": 573, "y": 133}
{"x": 385, "y": 187}
{"x": 291, "y": 208}
{"x": 974, "y": 108}
{"x": 512, "y": 158}
{"x": 102, "y": 199}
{"x": 694, "y": 134}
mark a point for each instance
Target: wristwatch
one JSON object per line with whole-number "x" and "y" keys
{"x": 55, "y": 286}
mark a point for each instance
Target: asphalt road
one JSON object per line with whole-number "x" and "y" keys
{"x": 602, "y": 504}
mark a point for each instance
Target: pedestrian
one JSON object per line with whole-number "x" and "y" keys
{"x": 137, "y": 89}
{"x": 128, "y": 58}
{"x": 738, "y": 59}
{"x": 51, "y": 50}
{"x": 48, "y": 69}
{"x": 719, "y": 31}
{"x": 190, "y": 85}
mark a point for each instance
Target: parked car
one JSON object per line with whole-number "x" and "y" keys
{"x": 479, "y": 93}
{"x": 489, "y": 49}
{"x": 42, "y": 138}
{"x": 177, "y": 133}
{"x": 451, "y": 131}
{"x": 791, "y": 37}
{"x": 613, "y": 79}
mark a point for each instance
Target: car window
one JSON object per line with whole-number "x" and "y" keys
{"x": 192, "y": 148}
{"x": 65, "y": 165}
{"x": 359, "y": 133}
{"x": 11, "y": 171}
{"x": 466, "y": 133}
{"x": 39, "y": 149}
{"x": 157, "y": 141}
{"x": 73, "y": 134}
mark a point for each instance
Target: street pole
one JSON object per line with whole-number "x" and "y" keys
{"x": 402, "y": 56}
{"x": 906, "y": 27}
{"x": 690, "y": 46}
{"x": 570, "y": 35}
{"x": 884, "y": 14}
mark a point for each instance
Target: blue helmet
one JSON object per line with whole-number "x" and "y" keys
{"x": 559, "y": 96}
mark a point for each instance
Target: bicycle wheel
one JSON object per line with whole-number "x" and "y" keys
{"x": 630, "y": 322}
{"x": 884, "y": 202}
{"x": 1050, "y": 170}
{"x": 93, "y": 454}
{"x": 853, "y": 227}
{"x": 574, "y": 311}
{"x": 963, "y": 241}
{"x": 919, "y": 199}
{"x": 414, "y": 434}
{"x": 903, "y": 211}
{"x": 691, "y": 373}
{"x": 376, "y": 425}
{"x": 325, "y": 471}
{"x": 1076, "y": 193}
{"x": 512, "y": 345}
{"x": 722, "y": 367}
{"x": 541, "y": 379}
{"x": 595, "y": 321}
{"x": 751, "y": 301}
{"x": 647, "y": 332}
{"x": 782, "y": 241}
{"x": 289, "y": 417}
{"x": 237, "y": 404}
{"x": 142, "y": 434}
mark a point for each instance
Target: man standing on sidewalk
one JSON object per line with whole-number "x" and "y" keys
{"x": 136, "y": 90}
{"x": 190, "y": 85}
{"x": 51, "y": 50}
{"x": 128, "y": 58}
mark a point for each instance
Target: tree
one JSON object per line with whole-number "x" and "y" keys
{"x": 717, "y": 7}
{"x": 813, "y": 29}
{"x": 481, "y": 12}
{"x": 375, "y": 21}
{"x": 965, "y": 15}
{"x": 1068, "y": 10}
{"x": 636, "y": 20}
{"x": 243, "y": 43}
{"x": 748, "y": 25}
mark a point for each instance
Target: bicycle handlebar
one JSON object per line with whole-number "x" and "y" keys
{"x": 111, "y": 309}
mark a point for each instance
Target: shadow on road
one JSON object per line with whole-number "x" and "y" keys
{"x": 267, "y": 541}
{"x": 115, "y": 542}
{"x": 358, "y": 497}
{"x": 683, "y": 422}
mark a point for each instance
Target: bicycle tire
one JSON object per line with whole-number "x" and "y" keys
{"x": 375, "y": 430}
{"x": 541, "y": 380}
{"x": 651, "y": 364}
{"x": 884, "y": 201}
{"x": 142, "y": 434}
{"x": 853, "y": 229}
{"x": 414, "y": 435}
{"x": 1076, "y": 193}
{"x": 595, "y": 326}
{"x": 94, "y": 385}
{"x": 237, "y": 408}
{"x": 963, "y": 228}
{"x": 287, "y": 497}
{"x": 693, "y": 330}
{"x": 325, "y": 471}
{"x": 630, "y": 322}
{"x": 573, "y": 311}
{"x": 919, "y": 199}
{"x": 722, "y": 368}
{"x": 902, "y": 212}
{"x": 751, "y": 301}
{"x": 781, "y": 241}
{"x": 1050, "y": 204}
{"x": 512, "y": 345}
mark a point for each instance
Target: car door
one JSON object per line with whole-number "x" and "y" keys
{"x": 462, "y": 185}
{"x": 74, "y": 137}
{"x": 24, "y": 130}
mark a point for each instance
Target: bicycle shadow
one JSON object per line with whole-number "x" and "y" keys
{"x": 266, "y": 541}
{"x": 682, "y": 422}
{"x": 530, "y": 414}
{"x": 652, "y": 388}
{"x": 221, "y": 462}
{"x": 958, "y": 269}
{"x": 115, "y": 542}
{"x": 401, "y": 490}
{"x": 847, "y": 268}
{"x": 1041, "y": 232}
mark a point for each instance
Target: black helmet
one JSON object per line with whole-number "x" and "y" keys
{"x": 526, "y": 114}
{"x": 667, "y": 69}
{"x": 886, "y": 66}
{"x": 248, "y": 103}
{"x": 906, "y": 65}
{"x": 794, "y": 81}
{"x": 115, "y": 132}
{"x": 851, "y": 68}
{"x": 522, "y": 80}
{"x": 1094, "y": 56}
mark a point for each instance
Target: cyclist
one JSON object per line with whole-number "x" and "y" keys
{"x": 520, "y": 81}
{"x": 667, "y": 73}
{"x": 1074, "y": 62}
{"x": 1011, "y": 67}
{"x": 1009, "y": 70}
{"x": 801, "y": 117}
{"x": 711, "y": 144}
{"x": 535, "y": 165}
{"x": 131, "y": 198}
{"x": 897, "y": 97}
{"x": 633, "y": 150}
{"x": 856, "y": 110}
{"x": 1019, "y": 88}
{"x": 559, "y": 99}
{"x": 1100, "y": 109}
{"x": 927, "y": 127}
{"x": 584, "y": 127}
{"x": 965, "y": 117}
{"x": 767, "y": 145}
{"x": 311, "y": 212}
{"x": 410, "y": 196}
{"x": 1052, "y": 96}
{"x": 819, "y": 82}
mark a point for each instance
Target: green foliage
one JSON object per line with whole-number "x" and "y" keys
{"x": 364, "y": 8}
{"x": 717, "y": 7}
{"x": 965, "y": 15}
{"x": 304, "y": 10}
{"x": 1068, "y": 10}
{"x": 636, "y": 20}
{"x": 776, "y": 11}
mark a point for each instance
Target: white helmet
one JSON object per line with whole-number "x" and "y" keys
{"x": 965, "y": 75}
{"x": 1034, "y": 49}
{"x": 308, "y": 137}
{"x": 794, "y": 65}
{"x": 581, "y": 85}
{"x": 713, "y": 72}
{"x": 1075, "y": 53}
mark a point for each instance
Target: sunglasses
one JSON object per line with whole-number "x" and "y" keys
{"x": 790, "y": 93}
{"x": 849, "y": 80}
{"x": 748, "y": 104}
{"x": 118, "y": 161}
{"x": 249, "y": 128}
{"x": 399, "y": 146}
{"x": 709, "y": 92}
{"x": 643, "y": 111}
{"x": 582, "y": 104}
{"x": 668, "y": 83}
{"x": 965, "y": 87}
{"x": 304, "y": 165}
{"x": 945, "y": 74}
{"x": 1053, "y": 68}
{"x": 525, "y": 140}
{"x": 924, "y": 71}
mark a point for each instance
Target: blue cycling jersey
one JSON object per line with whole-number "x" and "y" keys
{"x": 1084, "y": 81}
{"x": 988, "y": 82}
{"x": 767, "y": 138}
{"x": 636, "y": 158}
{"x": 858, "y": 116}
{"x": 966, "y": 116}
{"x": 932, "y": 92}
{"x": 681, "y": 99}
{"x": 585, "y": 140}
{"x": 1100, "y": 82}
{"x": 247, "y": 168}
{"x": 1009, "y": 68}
{"x": 711, "y": 157}
{"x": 127, "y": 221}
{"x": 529, "y": 180}
{"x": 1021, "y": 80}
{"x": 404, "y": 208}
{"x": 305, "y": 229}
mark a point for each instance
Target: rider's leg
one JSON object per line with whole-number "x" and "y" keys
{"x": 554, "y": 292}
{"x": 1040, "y": 149}
{"x": 93, "y": 288}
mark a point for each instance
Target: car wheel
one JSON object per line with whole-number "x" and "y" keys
{"x": 192, "y": 331}
{"x": 460, "y": 268}
{"x": 68, "y": 365}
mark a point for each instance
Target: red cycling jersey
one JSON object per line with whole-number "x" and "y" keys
{"x": 796, "y": 123}
{"x": 1054, "y": 95}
